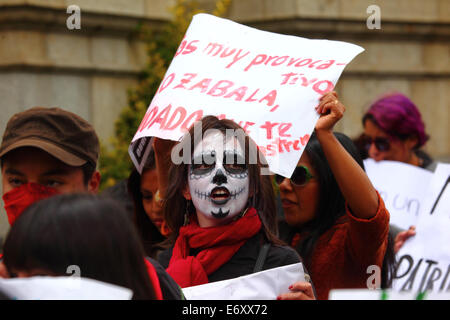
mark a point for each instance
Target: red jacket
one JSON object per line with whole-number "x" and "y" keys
{"x": 342, "y": 254}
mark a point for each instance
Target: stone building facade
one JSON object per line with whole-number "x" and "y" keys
{"x": 88, "y": 71}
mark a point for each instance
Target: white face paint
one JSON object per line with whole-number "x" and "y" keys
{"x": 218, "y": 179}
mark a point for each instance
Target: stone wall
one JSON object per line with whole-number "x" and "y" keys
{"x": 88, "y": 71}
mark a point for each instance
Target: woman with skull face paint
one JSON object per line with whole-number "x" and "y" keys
{"x": 221, "y": 209}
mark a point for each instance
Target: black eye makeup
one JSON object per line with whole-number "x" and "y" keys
{"x": 203, "y": 163}
{"x": 234, "y": 163}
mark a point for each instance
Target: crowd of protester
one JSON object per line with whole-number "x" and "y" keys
{"x": 175, "y": 226}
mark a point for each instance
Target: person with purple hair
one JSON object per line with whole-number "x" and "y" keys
{"x": 394, "y": 130}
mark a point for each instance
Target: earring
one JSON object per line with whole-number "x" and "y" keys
{"x": 186, "y": 215}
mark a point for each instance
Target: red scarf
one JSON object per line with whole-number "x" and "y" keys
{"x": 20, "y": 198}
{"x": 218, "y": 245}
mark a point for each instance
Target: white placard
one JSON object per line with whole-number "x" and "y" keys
{"x": 424, "y": 259}
{"x": 62, "y": 288}
{"x": 268, "y": 83}
{"x": 264, "y": 285}
{"x": 365, "y": 294}
{"x": 402, "y": 187}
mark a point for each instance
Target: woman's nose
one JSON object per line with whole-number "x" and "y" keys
{"x": 285, "y": 185}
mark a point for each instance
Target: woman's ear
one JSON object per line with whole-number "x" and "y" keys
{"x": 3, "y": 271}
{"x": 186, "y": 193}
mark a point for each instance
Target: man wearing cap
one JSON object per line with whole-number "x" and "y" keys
{"x": 46, "y": 151}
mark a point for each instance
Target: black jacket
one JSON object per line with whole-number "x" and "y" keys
{"x": 169, "y": 288}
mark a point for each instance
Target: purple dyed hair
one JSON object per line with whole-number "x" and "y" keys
{"x": 399, "y": 117}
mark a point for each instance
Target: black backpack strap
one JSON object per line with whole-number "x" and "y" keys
{"x": 261, "y": 257}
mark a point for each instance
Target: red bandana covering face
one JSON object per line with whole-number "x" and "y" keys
{"x": 20, "y": 198}
{"x": 218, "y": 245}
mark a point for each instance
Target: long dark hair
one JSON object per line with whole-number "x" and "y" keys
{"x": 332, "y": 203}
{"x": 92, "y": 233}
{"x": 262, "y": 199}
{"x": 150, "y": 235}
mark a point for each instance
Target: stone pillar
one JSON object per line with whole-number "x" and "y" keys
{"x": 86, "y": 71}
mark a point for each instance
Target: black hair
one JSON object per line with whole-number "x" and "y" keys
{"x": 90, "y": 232}
{"x": 332, "y": 202}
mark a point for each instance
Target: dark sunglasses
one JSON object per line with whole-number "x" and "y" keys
{"x": 382, "y": 144}
{"x": 300, "y": 177}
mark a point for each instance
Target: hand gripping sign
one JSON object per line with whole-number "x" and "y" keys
{"x": 268, "y": 83}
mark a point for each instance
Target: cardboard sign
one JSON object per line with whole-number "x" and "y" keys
{"x": 402, "y": 187}
{"x": 264, "y": 285}
{"x": 62, "y": 288}
{"x": 424, "y": 260}
{"x": 268, "y": 83}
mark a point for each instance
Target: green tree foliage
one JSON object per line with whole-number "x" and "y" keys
{"x": 115, "y": 163}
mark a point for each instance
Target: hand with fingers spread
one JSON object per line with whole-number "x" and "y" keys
{"x": 331, "y": 111}
{"x": 300, "y": 290}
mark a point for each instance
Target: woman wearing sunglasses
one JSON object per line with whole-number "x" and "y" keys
{"x": 334, "y": 217}
{"x": 394, "y": 130}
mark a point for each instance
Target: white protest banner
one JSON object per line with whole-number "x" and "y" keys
{"x": 424, "y": 260}
{"x": 268, "y": 83}
{"x": 366, "y": 294}
{"x": 62, "y": 288}
{"x": 402, "y": 187}
{"x": 264, "y": 285}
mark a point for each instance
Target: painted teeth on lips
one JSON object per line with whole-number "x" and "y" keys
{"x": 220, "y": 195}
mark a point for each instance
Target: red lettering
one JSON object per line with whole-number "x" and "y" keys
{"x": 203, "y": 85}
{"x": 213, "y": 46}
{"x": 181, "y": 47}
{"x": 271, "y": 152}
{"x": 190, "y": 47}
{"x": 292, "y": 61}
{"x": 164, "y": 83}
{"x": 283, "y": 128}
{"x": 161, "y": 118}
{"x": 312, "y": 65}
{"x": 320, "y": 91}
{"x": 304, "y": 62}
{"x": 178, "y": 111}
{"x": 257, "y": 60}
{"x": 270, "y": 58}
{"x": 270, "y": 98}
{"x": 250, "y": 99}
{"x": 306, "y": 82}
{"x": 189, "y": 77}
{"x": 277, "y": 61}
{"x": 296, "y": 147}
{"x": 236, "y": 58}
{"x": 190, "y": 120}
{"x": 287, "y": 76}
{"x": 239, "y": 93}
{"x": 326, "y": 65}
{"x": 221, "y": 90}
{"x": 268, "y": 126}
{"x": 304, "y": 140}
{"x": 247, "y": 124}
{"x": 147, "y": 118}
{"x": 225, "y": 54}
